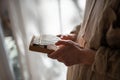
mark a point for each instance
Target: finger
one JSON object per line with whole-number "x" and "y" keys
{"x": 60, "y": 60}
{"x": 56, "y": 54}
{"x": 64, "y": 42}
{"x": 59, "y": 35}
{"x": 65, "y": 37}
{"x": 62, "y": 36}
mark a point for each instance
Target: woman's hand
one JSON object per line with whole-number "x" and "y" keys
{"x": 70, "y": 53}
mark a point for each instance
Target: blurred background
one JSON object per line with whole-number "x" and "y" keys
{"x": 19, "y": 21}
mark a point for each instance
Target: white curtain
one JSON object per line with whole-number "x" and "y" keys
{"x": 53, "y": 17}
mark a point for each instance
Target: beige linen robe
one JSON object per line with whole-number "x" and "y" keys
{"x": 101, "y": 32}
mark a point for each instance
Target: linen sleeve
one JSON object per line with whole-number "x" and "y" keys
{"x": 106, "y": 42}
